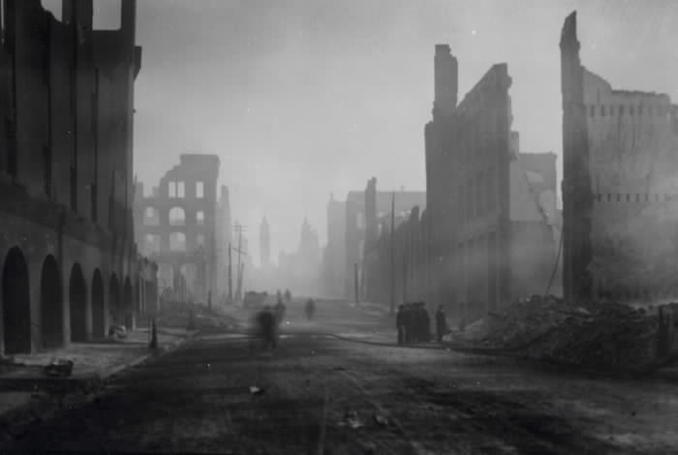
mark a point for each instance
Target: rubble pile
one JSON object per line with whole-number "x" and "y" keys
{"x": 611, "y": 336}
{"x": 192, "y": 316}
{"x": 597, "y": 334}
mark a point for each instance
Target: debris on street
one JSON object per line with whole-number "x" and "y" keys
{"x": 59, "y": 368}
{"x": 602, "y": 335}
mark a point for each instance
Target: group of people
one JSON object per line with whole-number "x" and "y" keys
{"x": 268, "y": 321}
{"x": 414, "y": 324}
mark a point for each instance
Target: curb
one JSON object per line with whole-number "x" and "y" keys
{"x": 160, "y": 351}
{"x": 46, "y": 406}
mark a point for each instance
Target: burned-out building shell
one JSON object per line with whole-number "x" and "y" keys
{"x": 70, "y": 267}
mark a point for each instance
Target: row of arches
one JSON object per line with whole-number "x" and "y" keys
{"x": 16, "y": 304}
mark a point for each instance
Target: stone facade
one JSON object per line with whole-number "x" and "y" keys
{"x": 620, "y": 190}
{"x": 491, "y": 214}
{"x": 70, "y": 265}
{"x": 223, "y": 236}
{"x": 365, "y": 212}
{"x": 175, "y": 226}
{"x": 334, "y": 253}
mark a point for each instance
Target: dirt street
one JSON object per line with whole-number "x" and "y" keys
{"x": 320, "y": 394}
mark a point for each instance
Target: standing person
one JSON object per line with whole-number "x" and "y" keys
{"x": 400, "y": 324}
{"x": 267, "y": 328}
{"x": 441, "y": 323}
{"x": 288, "y": 296}
{"x": 310, "y": 309}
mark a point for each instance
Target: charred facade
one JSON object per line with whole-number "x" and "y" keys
{"x": 491, "y": 217}
{"x": 70, "y": 265}
{"x": 620, "y": 192}
{"x": 176, "y": 228}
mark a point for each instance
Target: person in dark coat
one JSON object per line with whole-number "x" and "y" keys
{"x": 310, "y": 309}
{"x": 400, "y": 324}
{"x": 267, "y": 328}
{"x": 441, "y": 323}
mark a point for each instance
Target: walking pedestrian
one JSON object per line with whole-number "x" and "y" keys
{"x": 441, "y": 323}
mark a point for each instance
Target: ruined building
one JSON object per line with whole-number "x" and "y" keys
{"x": 620, "y": 185}
{"x": 490, "y": 210}
{"x": 395, "y": 262}
{"x": 364, "y": 209}
{"x": 70, "y": 267}
{"x": 333, "y": 255}
{"x": 223, "y": 240}
{"x": 175, "y": 226}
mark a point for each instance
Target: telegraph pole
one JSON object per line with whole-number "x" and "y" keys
{"x": 240, "y": 267}
{"x": 392, "y": 253}
{"x": 355, "y": 283}
{"x": 230, "y": 275}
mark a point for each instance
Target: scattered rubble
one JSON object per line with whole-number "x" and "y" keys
{"x": 193, "y": 316}
{"x": 601, "y": 335}
{"x": 59, "y": 368}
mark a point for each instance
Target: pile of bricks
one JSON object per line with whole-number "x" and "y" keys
{"x": 597, "y": 335}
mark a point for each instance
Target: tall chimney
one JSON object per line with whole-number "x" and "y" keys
{"x": 445, "y": 81}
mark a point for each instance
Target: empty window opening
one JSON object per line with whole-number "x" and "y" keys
{"x": 200, "y": 218}
{"x": 151, "y": 243}
{"x": 177, "y": 216}
{"x": 181, "y": 190}
{"x": 172, "y": 189}
{"x": 177, "y": 241}
{"x": 199, "y": 190}
{"x": 151, "y": 216}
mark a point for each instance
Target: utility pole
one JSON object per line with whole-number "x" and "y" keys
{"x": 230, "y": 275}
{"x": 240, "y": 267}
{"x": 355, "y": 282}
{"x": 392, "y": 253}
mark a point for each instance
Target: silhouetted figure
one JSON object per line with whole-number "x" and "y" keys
{"x": 400, "y": 324}
{"x": 441, "y": 323}
{"x": 288, "y": 296}
{"x": 266, "y": 327}
{"x": 310, "y": 309}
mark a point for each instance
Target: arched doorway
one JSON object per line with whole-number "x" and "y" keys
{"x": 114, "y": 299}
{"x": 98, "y": 319}
{"x": 77, "y": 294}
{"x": 16, "y": 303}
{"x": 51, "y": 305}
{"x": 128, "y": 305}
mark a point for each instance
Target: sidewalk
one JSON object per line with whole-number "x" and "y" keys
{"x": 27, "y": 393}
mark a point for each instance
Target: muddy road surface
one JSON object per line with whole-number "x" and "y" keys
{"x": 319, "y": 394}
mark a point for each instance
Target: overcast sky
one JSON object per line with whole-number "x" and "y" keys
{"x": 301, "y": 99}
